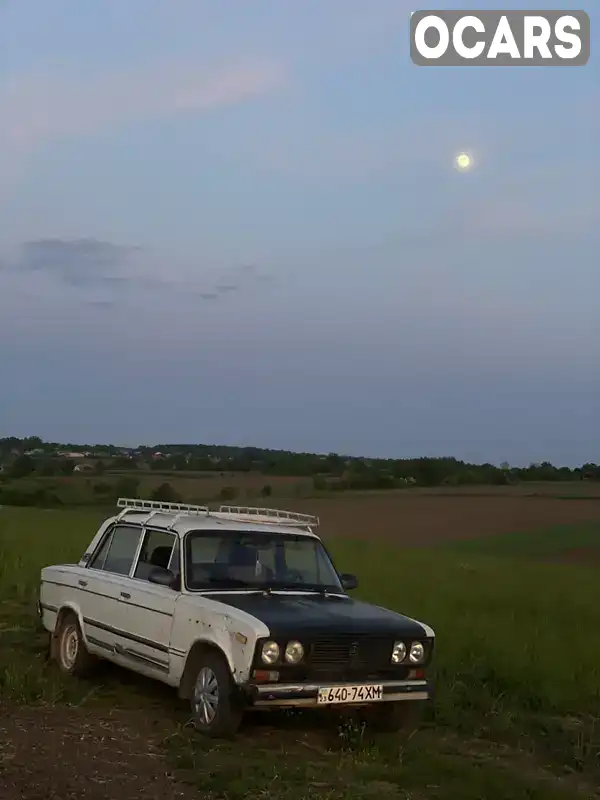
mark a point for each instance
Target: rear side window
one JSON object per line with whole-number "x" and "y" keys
{"x": 118, "y": 551}
{"x": 157, "y": 551}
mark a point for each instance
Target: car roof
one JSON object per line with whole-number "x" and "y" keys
{"x": 180, "y": 518}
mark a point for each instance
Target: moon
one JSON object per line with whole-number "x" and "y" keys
{"x": 463, "y": 162}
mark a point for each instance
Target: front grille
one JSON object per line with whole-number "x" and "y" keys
{"x": 345, "y": 656}
{"x": 350, "y": 650}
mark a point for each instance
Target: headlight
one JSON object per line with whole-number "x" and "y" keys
{"x": 270, "y": 652}
{"x": 294, "y": 652}
{"x": 398, "y": 653}
{"x": 417, "y": 653}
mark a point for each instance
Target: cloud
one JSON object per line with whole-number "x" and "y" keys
{"x": 77, "y": 262}
{"x": 41, "y": 106}
{"x": 102, "y": 274}
{"x": 101, "y": 303}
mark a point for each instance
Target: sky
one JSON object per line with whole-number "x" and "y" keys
{"x": 240, "y": 223}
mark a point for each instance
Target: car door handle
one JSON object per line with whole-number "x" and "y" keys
{"x": 126, "y": 595}
{"x": 83, "y": 583}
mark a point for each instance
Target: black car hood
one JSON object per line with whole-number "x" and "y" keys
{"x": 295, "y": 614}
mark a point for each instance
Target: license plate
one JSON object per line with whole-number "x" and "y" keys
{"x": 350, "y": 694}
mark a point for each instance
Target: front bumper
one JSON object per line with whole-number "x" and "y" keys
{"x": 281, "y": 695}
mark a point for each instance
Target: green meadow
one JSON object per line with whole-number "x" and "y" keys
{"x": 517, "y": 674}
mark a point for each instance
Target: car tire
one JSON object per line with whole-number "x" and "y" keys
{"x": 216, "y": 712}
{"x": 71, "y": 653}
{"x": 404, "y": 716}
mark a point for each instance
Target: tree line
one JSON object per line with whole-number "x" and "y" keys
{"x": 20, "y": 458}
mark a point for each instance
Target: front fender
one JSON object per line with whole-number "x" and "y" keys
{"x": 237, "y": 652}
{"x": 207, "y": 621}
{"x": 67, "y": 606}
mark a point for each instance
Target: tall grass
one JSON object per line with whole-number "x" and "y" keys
{"x": 517, "y": 641}
{"x": 529, "y": 631}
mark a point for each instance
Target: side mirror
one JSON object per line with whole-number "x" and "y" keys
{"x": 162, "y": 577}
{"x": 349, "y": 581}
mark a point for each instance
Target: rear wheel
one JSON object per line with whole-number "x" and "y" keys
{"x": 215, "y": 709}
{"x": 404, "y": 716}
{"x": 70, "y": 651}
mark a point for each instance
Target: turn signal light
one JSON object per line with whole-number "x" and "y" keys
{"x": 265, "y": 676}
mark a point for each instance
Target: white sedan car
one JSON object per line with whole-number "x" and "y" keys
{"x": 238, "y": 608}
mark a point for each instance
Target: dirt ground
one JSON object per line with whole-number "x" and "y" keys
{"x": 419, "y": 519}
{"x": 579, "y": 555}
{"x": 63, "y": 754}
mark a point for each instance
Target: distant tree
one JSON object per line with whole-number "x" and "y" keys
{"x": 165, "y": 493}
{"x": 48, "y": 468}
{"x": 319, "y": 483}
{"x": 66, "y": 466}
{"x": 124, "y": 463}
{"x": 590, "y": 472}
{"x": 127, "y": 486}
{"x": 430, "y": 471}
{"x": 335, "y": 464}
{"x": 32, "y": 443}
{"x": 21, "y": 467}
{"x": 102, "y": 488}
{"x": 40, "y": 498}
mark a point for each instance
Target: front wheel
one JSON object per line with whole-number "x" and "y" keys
{"x": 71, "y": 653}
{"x": 404, "y": 716}
{"x": 215, "y": 709}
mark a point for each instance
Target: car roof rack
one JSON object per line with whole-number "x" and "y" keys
{"x": 133, "y": 505}
{"x": 270, "y": 516}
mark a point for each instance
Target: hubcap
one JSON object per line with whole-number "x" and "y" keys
{"x": 69, "y": 646}
{"x": 206, "y": 696}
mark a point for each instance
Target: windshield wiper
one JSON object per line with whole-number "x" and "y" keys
{"x": 298, "y": 587}
{"x": 231, "y": 583}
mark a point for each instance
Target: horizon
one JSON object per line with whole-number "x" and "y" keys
{"x": 247, "y": 224}
{"x": 318, "y": 453}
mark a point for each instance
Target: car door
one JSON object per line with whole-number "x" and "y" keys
{"x": 102, "y": 583}
{"x": 146, "y": 609}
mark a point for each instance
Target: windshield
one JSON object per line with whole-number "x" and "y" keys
{"x": 269, "y": 560}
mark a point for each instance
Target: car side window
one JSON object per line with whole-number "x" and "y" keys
{"x": 118, "y": 551}
{"x": 99, "y": 557}
{"x": 157, "y": 549}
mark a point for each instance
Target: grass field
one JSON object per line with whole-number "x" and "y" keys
{"x": 206, "y": 487}
{"x": 517, "y": 669}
